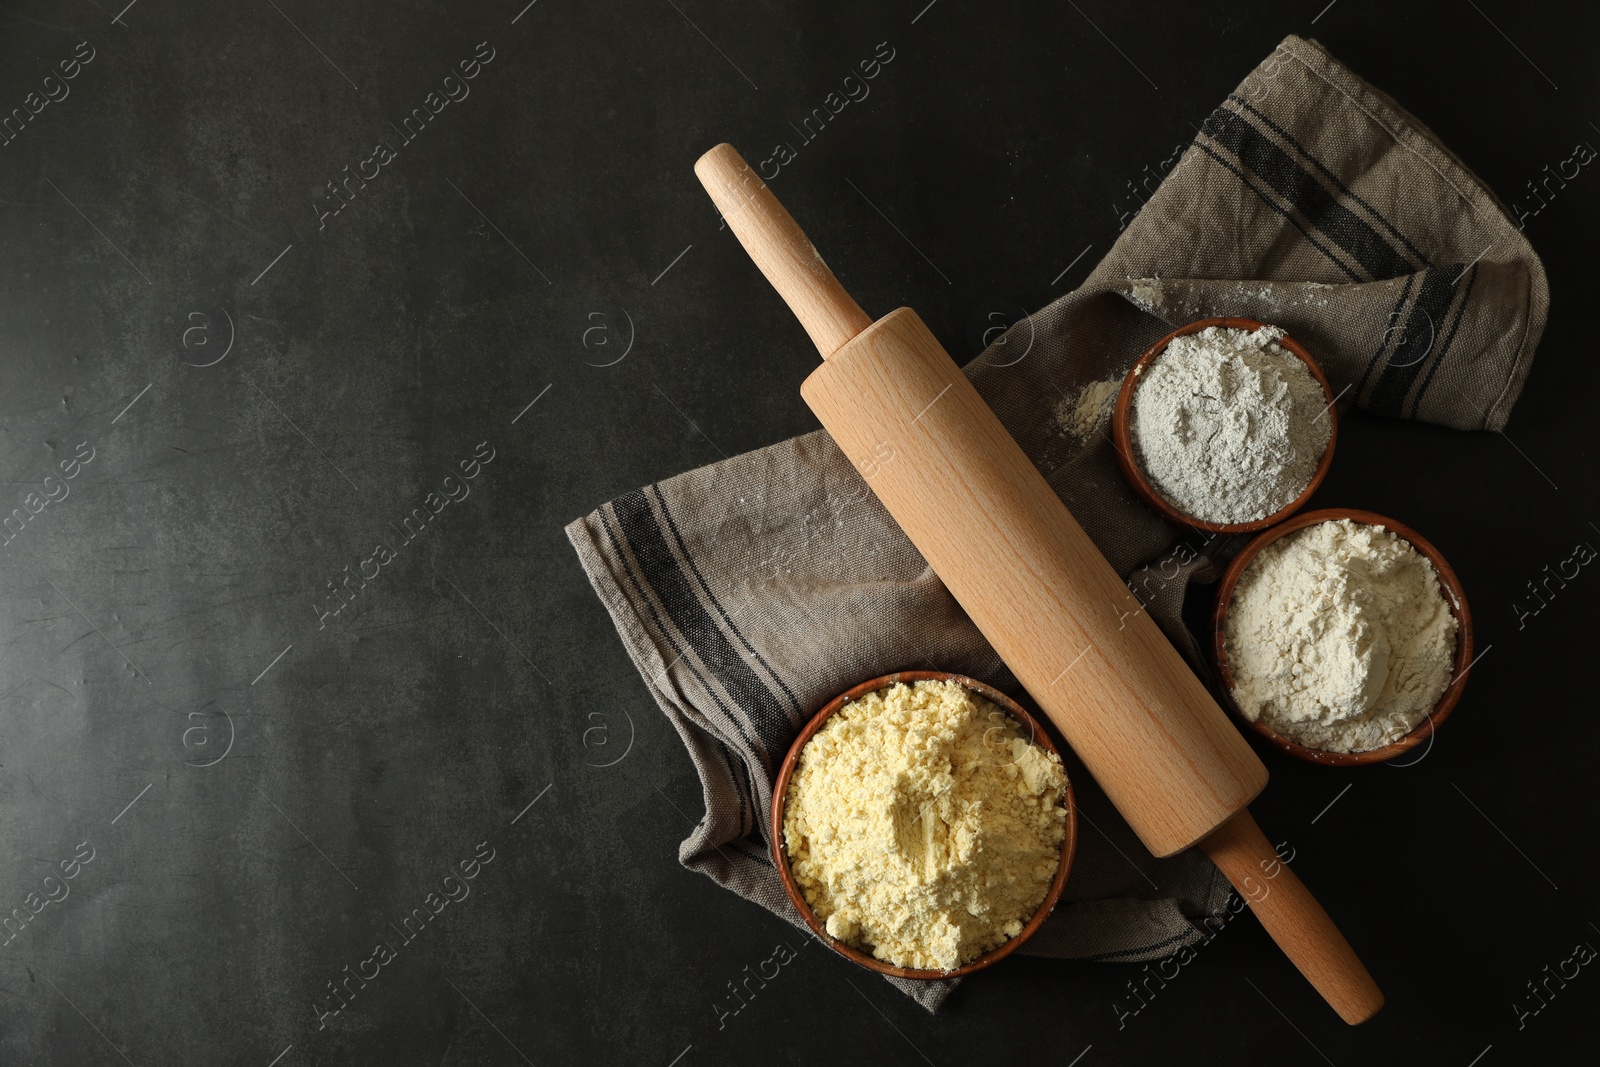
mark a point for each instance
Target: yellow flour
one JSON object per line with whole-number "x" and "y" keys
{"x": 922, "y": 826}
{"x": 1081, "y": 412}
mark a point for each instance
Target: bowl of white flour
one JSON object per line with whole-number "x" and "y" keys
{"x": 1342, "y": 637}
{"x": 1225, "y": 425}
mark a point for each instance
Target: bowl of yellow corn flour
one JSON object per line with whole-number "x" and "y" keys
{"x": 923, "y": 824}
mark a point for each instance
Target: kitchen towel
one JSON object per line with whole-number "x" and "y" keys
{"x": 752, "y": 591}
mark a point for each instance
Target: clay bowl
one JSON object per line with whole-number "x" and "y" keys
{"x": 1449, "y": 584}
{"x": 780, "y": 855}
{"x": 1122, "y": 434}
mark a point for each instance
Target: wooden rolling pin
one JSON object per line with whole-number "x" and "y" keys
{"x": 1034, "y": 584}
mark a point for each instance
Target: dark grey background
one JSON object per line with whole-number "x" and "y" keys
{"x": 163, "y": 613}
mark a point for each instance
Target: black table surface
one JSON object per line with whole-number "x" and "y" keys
{"x": 251, "y": 790}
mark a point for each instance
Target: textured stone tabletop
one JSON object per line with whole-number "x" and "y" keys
{"x": 319, "y": 322}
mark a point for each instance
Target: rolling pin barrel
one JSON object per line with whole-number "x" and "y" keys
{"x": 1033, "y": 583}
{"x": 1028, "y": 576}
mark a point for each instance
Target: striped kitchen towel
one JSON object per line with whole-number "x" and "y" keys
{"x": 752, "y": 591}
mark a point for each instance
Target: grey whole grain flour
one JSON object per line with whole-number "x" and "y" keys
{"x": 1228, "y": 425}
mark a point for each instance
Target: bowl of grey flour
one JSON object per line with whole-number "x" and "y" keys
{"x": 1342, "y": 637}
{"x": 1225, "y": 425}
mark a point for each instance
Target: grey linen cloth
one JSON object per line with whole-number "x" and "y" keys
{"x": 752, "y": 591}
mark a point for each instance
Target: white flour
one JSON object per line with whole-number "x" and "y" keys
{"x": 1228, "y": 425}
{"x": 1147, "y": 293}
{"x": 1339, "y": 637}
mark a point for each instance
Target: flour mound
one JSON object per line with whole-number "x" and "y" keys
{"x": 923, "y": 827}
{"x": 1339, "y": 637}
{"x": 1228, "y": 425}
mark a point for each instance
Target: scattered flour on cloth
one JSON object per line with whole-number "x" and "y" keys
{"x": 922, "y": 826}
{"x": 1080, "y": 413}
{"x": 1228, "y": 425}
{"x": 1147, "y": 293}
{"x": 1339, "y": 638}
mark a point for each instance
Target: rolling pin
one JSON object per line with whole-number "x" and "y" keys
{"x": 1033, "y": 583}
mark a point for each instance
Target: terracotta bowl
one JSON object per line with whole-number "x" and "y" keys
{"x": 1449, "y": 584}
{"x": 780, "y": 854}
{"x": 1122, "y": 433}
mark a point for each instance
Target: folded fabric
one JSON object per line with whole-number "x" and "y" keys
{"x": 752, "y": 591}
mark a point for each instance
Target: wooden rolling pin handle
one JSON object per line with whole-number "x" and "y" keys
{"x": 781, "y": 249}
{"x": 1293, "y": 917}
